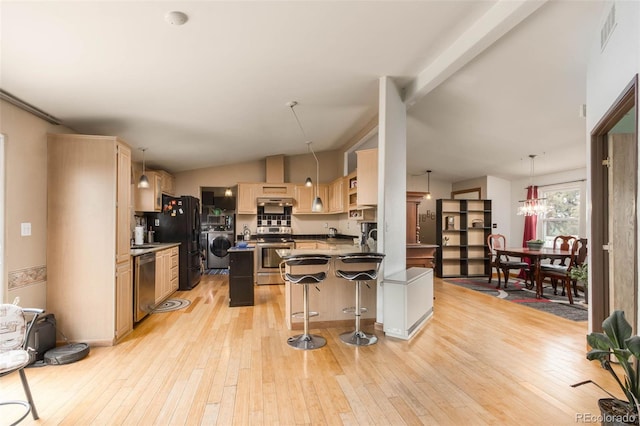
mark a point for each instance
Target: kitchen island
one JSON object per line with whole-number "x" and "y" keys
{"x": 335, "y": 293}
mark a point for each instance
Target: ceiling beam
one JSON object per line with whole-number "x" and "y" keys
{"x": 499, "y": 20}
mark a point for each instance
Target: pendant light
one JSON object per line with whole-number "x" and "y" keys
{"x": 532, "y": 206}
{"x": 428, "y": 194}
{"x": 308, "y": 182}
{"x": 228, "y": 193}
{"x": 317, "y": 205}
{"x": 144, "y": 180}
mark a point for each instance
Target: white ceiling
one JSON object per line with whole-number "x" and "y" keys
{"x": 214, "y": 91}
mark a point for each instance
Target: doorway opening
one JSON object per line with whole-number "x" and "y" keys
{"x": 614, "y": 187}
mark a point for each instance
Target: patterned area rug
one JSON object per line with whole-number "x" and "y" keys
{"x": 224, "y": 271}
{"x": 171, "y": 305}
{"x": 517, "y": 292}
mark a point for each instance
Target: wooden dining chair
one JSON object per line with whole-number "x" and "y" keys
{"x": 561, "y": 242}
{"x": 504, "y": 263}
{"x": 561, "y": 273}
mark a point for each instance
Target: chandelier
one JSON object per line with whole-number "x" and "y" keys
{"x": 533, "y": 206}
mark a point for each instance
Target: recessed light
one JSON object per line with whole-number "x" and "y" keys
{"x": 176, "y": 18}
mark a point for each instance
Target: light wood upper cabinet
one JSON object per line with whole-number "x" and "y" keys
{"x": 367, "y": 167}
{"x": 168, "y": 183}
{"x": 274, "y": 190}
{"x": 337, "y": 196}
{"x": 304, "y": 196}
{"x": 148, "y": 199}
{"x": 123, "y": 203}
{"x": 246, "y": 198}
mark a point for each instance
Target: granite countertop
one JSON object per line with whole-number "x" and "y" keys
{"x": 150, "y": 248}
{"x": 333, "y": 250}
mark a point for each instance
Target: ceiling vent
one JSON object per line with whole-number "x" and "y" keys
{"x": 608, "y": 27}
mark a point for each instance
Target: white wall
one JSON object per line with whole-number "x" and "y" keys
{"x": 427, "y": 208}
{"x": 392, "y": 183}
{"x": 519, "y": 192}
{"x": 25, "y": 200}
{"x": 499, "y": 192}
{"x": 480, "y": 182}
{"x": 609, "y": 71}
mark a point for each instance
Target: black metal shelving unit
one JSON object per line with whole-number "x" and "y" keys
{"x": 466, "y": 224}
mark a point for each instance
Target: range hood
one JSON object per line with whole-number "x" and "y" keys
{"x": 275, "y": 201}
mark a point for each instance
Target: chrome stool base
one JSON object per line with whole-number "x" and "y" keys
{"x": 306, "y": 341}
{"x": 358, "y": 338}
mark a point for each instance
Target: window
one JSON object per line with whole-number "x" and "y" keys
{"x": 564, "y": 212}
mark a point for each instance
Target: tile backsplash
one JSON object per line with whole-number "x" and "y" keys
{"x": 283, "y": 219}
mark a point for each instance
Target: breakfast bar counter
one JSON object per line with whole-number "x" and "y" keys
{"x": 334, "y": 293}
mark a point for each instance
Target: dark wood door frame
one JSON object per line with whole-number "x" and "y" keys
{"x": 599, "y": 300}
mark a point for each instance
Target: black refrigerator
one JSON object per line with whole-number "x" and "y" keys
{"x": 179, "y": 222}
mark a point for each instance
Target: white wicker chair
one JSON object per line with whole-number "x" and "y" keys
{"x": 14, "y": 353}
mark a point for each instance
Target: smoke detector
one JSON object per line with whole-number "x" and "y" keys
{"x": 176, "y": 18}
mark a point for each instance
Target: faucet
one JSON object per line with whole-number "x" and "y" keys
{"x": 333, "y": 232}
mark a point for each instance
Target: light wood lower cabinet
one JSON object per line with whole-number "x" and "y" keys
{"x": 124, "y": 299}
{"x": 166, "y": 273}
{"x": 302, "y": 244}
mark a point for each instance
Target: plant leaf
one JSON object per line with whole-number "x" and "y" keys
{"x": 617, "y": 328}
{"x": 633, "y": 344}
{"x": 599, "y": 341}
{"x": 597, "y": 354}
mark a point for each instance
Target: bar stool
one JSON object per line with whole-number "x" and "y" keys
{"x": 305, "y": 340}
{"x": 359, "y": 337}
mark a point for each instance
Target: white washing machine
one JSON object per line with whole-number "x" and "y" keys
{"x": 218, "y": 245}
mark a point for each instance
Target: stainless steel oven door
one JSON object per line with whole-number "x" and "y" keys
{"x": 268, "y": 262}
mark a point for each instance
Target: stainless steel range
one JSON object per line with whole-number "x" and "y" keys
{"x": 270, "y": 239}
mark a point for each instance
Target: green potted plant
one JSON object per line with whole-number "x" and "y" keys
{"x": 580, "y": 273}
{"x": 617, "y": 343}
{"x": 535, "y": 244}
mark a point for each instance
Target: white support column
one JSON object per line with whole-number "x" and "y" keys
{"x": 392, "y": 182}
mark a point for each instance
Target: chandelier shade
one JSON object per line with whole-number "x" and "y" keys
{"x": 533, "y": 206}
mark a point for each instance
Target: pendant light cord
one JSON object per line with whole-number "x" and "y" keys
{"x": 317, "y": 169}
{"x": 292, "y": 105}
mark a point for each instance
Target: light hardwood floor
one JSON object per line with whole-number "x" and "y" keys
{"x": 480, "y": 360}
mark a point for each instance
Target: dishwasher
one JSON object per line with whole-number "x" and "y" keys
{"x": 144, "y": 293}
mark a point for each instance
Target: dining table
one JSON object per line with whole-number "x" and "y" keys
{"x": 535, "y": 256}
